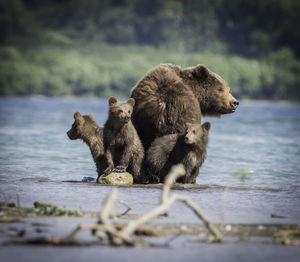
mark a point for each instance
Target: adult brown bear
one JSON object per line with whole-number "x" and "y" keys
{"x": 168, "y": 97}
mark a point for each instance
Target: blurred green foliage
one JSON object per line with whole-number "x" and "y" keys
{"x": 241, "y": 175}
{"x": 46, "y": 209}
{"x": 102, "y": 48}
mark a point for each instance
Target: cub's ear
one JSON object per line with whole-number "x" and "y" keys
{"x": 131, "y": 101}
{"x": 112, "y": 100}
{"x": 206, "y": 126}
{"x": 200, "y": 72}
{"x": 78, "y": 117}
{"x": 91, "y": 116}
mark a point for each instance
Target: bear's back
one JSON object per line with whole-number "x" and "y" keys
{"x": 164, "y": 104}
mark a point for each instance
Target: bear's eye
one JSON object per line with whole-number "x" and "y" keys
{"x": 129, "y": 112}
{"x": 120, "y": 111}
{"x": 220, "y": 89}
{"x": 194, "y": 132}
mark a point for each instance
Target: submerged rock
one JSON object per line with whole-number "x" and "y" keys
{"x": 115, "y": 178}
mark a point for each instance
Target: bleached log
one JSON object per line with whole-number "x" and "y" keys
{"x": 166, "y": 203}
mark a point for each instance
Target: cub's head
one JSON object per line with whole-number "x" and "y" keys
{"x": 213, "y": 91}
{"x": 121, "y": 110}
{"x": 196, "y": 133}
{"x": 82, "y": 126}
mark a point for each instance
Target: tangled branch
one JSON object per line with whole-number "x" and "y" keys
{"x": 124, "y": 235}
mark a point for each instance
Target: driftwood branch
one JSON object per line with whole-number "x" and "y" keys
{"x": 108, "y": 208}
{"x": 84, "y": 227}
{"x": 105, "y": 214}
{"x": 123, "y": 235}
{"x": 176, "y": 172}
{"x": 166, "y": 203}
{"x": 217, "y": 235}
{"x": 127, "y": 210}
{"x": 164, "y": 206}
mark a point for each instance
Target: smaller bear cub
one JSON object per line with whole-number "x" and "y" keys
{"x": 188, "y": 149}
{"x": 122, "y": 145}
{"x": 85, "y": 128}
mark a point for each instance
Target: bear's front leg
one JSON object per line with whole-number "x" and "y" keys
{"x": 124, "y": 160}
{"x": 137, "y": 160}
{"x": 110, "y": 162}
{"x": 191, "y": 174}
{"x": 108, "y": 170}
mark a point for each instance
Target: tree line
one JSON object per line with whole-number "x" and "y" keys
{"x": 41, "y": 40}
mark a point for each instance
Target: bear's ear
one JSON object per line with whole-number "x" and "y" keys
{"x": 112, "y": 100}
{"x": 206, "y": 126}
{"x": 131, "y": 101}
{"x": 200, "y": 72}
{"x": 78, "y": 117}
{"x": 91, "y": 116}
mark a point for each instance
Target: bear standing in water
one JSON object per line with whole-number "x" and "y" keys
{"x": 168, "y": 98}
{"x": 85, "y": 128}
{"x": 188, "y": 149}
{"x": 122, "y": 145}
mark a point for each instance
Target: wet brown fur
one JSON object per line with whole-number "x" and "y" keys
{"x": 168, "y": 98}
{"x": 122, "y": 145}
{"x": 85, "y": 128}
{"x": 188, "y": 149}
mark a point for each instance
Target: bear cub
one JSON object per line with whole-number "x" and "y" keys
{"x": 188, "y": 149}
{"x": 85, "y": 128}
{"x": 123, "y": 148}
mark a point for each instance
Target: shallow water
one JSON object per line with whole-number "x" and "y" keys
{"x": 261, "y": 138}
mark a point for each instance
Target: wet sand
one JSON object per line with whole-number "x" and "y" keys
{"x": 180, "y": 242}
{"x": 242, "y": 252}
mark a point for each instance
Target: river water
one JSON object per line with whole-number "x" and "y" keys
{"x": 261, "y": 139}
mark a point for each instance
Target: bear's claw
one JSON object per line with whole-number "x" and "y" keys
{"x": 119, "y": 169}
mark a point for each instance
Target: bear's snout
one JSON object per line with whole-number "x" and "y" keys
{"x": 71, "y": 135}
{"x": 127, "y": 119}
{"x": 234, "y": 104}
{"x": 188, "y": 139}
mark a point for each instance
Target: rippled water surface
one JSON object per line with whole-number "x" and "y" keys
{"x": 261, "y": 139}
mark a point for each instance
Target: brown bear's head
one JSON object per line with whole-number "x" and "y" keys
{"x": 212, "y": 91}
{"x": 82, "y": 126}
{"x": 121, "y": 110}
{"x": 196, "y": 133}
